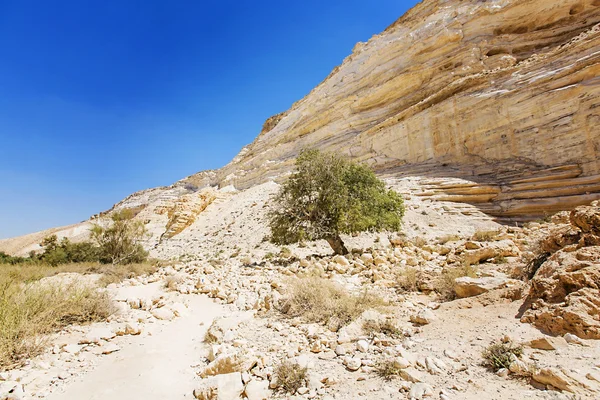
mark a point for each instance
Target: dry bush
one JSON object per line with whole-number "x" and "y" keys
{"x": 290, "y": 376}
{"x": 387, "y": 327}
{"x": 29, "y": 312}
{"x": 485, "y": 236}
{"x": 444, "y": 285}
{"x": 407, "y": 279}
{"x": 500, "y": 355}
{"x": 320, "y": 300}
{"x": 387, "y": 369}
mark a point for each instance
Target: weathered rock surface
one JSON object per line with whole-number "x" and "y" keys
{"x": 502, "y": 93}
{"x": 565, "y": 291}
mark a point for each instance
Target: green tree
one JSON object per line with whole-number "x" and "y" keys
{"x": 120, "y": 241}
{"x": 329, "y": 195}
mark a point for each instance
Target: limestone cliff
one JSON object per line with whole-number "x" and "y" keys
{"x": 503, "y": 93}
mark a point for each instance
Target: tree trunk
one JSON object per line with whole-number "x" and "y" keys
{"x": 337, "y": 244}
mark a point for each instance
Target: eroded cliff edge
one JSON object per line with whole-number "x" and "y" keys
{"x": 503, "y": 93}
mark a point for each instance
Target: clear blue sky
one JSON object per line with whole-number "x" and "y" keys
{"x": 99, "y": 99}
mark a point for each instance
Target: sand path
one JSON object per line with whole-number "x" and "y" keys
{"x": 153, "y": 367}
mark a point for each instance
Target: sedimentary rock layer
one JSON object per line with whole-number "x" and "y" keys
{"x": 503, "y": 93}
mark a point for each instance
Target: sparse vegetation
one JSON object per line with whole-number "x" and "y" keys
{"x": 328, "y": 196}
{"x": 407, "y": 279}
{"x": 485, "y": 236}
{"x": 120, "y": 241}
{"x": 387, "y": 327}
{"x": 444, "y": 285}
{"x": 500, "y": 355}
{"x": 320, "y": 300}
{"x": 29, "y": 311}
{"x": 387, "y": 369}
{"x": 290, "y": 376}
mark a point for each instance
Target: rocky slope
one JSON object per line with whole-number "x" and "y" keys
{"x": 503, "y": 93}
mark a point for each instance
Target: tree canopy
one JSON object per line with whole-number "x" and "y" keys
{"x": 329, "y": 195}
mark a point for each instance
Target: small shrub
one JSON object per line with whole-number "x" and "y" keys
{"x": 290, "y": 376}
{"x": 387, "y": 369}
{"x": 285, "y": 252}
{"x": 320, "y": 300}
{"x": 387, "y": 327}
{"x": 485, "y": 236}
{"x": 501, "y": 355}
{"x": 407, "y": 279}
{"x": 444, "y": 285}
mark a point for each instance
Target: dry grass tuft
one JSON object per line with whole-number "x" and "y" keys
{"x": 501, "y": 355}
{"x": 387, "y": 327}
{"x": 111, "y": 273}
{"x": 290, "y": 376}
{"x": 407, "y": 279}
{"x": 30, "y": 311}
{"x": 387, "y": 369}
{"x": 320, "y": 300}
{"x": 172, "y": 281}
{"x": 444, "y": 285}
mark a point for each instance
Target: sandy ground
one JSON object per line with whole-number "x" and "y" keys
{"x": 158, "y": 367}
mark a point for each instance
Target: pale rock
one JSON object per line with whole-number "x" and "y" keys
{"x": 362, "y": 346}
{"x": 229, "y": 386}
{"x": 353, "y": 364}
{"x": 468, "y": 287}
{"x": 133, "y": 328}
{"x": 570, "y": 338}
{"x": 257, "y": 390}
{"x": 423, "y": 317}
{"x": 401, "y": 363}
{"x": 163, "y": 314}
{"x": 341, "y": 260}
{"x": 412, "y": 375}
{"x": 340, "y": 350}
{"x": 419, "y": 391}
{"x": 548, "y": 343}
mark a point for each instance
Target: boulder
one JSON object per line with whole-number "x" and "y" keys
{"x": 469, "y": 287}
{"x": 257, "y": 390}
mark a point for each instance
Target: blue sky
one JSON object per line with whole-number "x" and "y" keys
{"x": 99, "y": 99}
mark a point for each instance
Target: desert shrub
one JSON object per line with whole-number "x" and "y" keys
{"x": 327, "y": 196}
{"x": 500, "y": 355}
{"x": 120, "y": 241}
{"x": 290, "y": 376}
{"x": 407, "y": 279}
{"x": 485, "y": 236}
{"x": 387, "y": 327}
{"x": 386, "y": 369}
{"x": 29, "y": 312}
{"x": 444, "y": 285}
{"x": 320, "y": 300}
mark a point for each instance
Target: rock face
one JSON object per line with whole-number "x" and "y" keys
{"x": 503, "y": 93}
{"x": 565, "y": 291}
